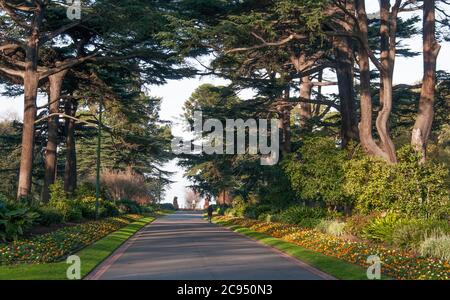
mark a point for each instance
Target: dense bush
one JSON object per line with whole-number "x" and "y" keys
{"x": 49, "y": 216}
{"x": 238, "y": 207}
{"x": 344, "y": 179}
{"x": 267, "y": 217}
{"x": 129, "y": 207}
{"x": 409, "y": 187}
{"x": 67, "y": 207}
{"x": 86, "y": 189}
{"x": 316, "y": 172}
{"x": 249, "y": 208}
{"x": 304, "y": 216}
{"x": 15, "y": 219}
{"x": 109, "y": 209}
{"x": 276, "y": 191}
{"x": 222, "y": 209}
{"x": 74, "y": 214}
{"x": 255, "y": 211}
{"x": 166, "y": 206}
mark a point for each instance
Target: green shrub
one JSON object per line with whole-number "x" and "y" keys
{"x": 407, "y": 236}
{"x": 129, "y": 207}
{"x": 149, "y": 209}
{"x": 316, "y": 172}
{"x": 382, "y": 228}
{"x": 425, "y": 192}
{"x": 277, "y": 190}
{"x": 238, "y": 207}
{"x": 436, "y": 246}
{"x": 267, "y": 217}
{"x": 49, "y": 216}
{"x": 222, "y": 209}
{"x": 87, "y": 206}
{"x": 167, "y": 206}
{"x": 59, "y": 200}
{"x": 409, "y": 187}
{"x": 74, "y": 215}
{"x": 301, "y": 215}
{"x": 111, "y": 209}
{"x": 254, "y": 211}
{"x": 309, "y": 223}
{"x": 355, "y": 224}
{"x": 3, "y": 199}
{"x": 412, "y": 233}
{"x": 332, "y": 227}
{"x": 84, "y": 190}
{"x": 15, "y": 220}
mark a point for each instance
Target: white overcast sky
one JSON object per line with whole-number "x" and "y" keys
{"x": 175, "y": 93}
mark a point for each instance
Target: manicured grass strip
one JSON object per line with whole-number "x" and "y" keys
{"x": 91, "y": 256}
{"x": 330, "y": 265}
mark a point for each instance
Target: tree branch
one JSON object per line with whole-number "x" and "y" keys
{"x": 12, "y": 72}
{"x": 65, "y": 65}
{"x": 267, "y": 44}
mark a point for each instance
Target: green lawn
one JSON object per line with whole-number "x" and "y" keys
{"x": 330, "y": 265}
{"x": 90, "y": 256}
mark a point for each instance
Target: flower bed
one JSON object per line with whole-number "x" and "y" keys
{"x": 395, "y": 263}
{"x": 57, "y": 245}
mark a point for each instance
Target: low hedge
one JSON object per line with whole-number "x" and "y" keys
{"x": 55, "y": 246}
{"x": 396, "y": 263}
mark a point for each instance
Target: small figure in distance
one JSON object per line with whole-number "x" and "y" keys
{"x": 210, "y": 213}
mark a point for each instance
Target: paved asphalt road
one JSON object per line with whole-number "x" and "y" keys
{"x": 183, "y": 246}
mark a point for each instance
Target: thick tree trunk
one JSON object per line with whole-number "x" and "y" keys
{"x": 70, "y": 170}
{"x": 31, "y": 84}
{"x": 387, "y": 34}
{"x": 422, "y": 128}
{"x": 365, "y": 125}
{"x": 345, "y": 76}
{"x": 29, "y": 117}
{"x": 55, "y": 82}
{"x": 305, "y": 108}
{"x": 382, "y": 122}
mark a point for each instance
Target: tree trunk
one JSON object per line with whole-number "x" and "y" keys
{"x": 422, "y": 128}
{"x": 365, "y": 125}
{"x": 382, "y": 122}
{"x": 387, "y": 34}
{"x": 305, "y": 108}
{"x": 284, "y": 125}
{"x": 70, "y": 170}
{"x": 55, "y": 82}
{"x": 345, "y": 76}
{"x": 31, "y": 84}
{"x": 29, "y": 117}
{"x": 284, "y": 122}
